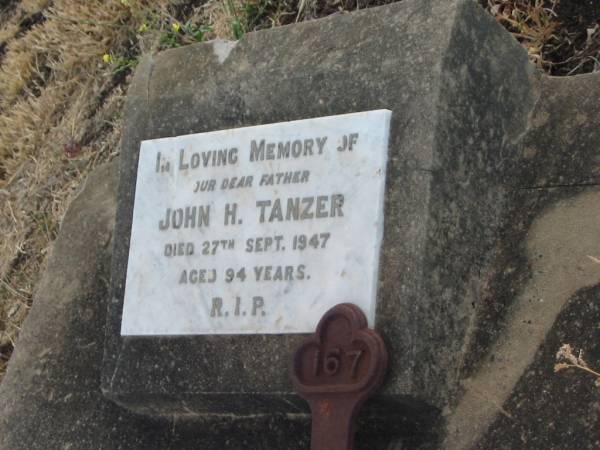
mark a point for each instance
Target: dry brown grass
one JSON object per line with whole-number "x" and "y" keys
{"x": 64, "y": 67}
{"x": 567, "y": 358}
{"x": 562, "y": 37}
{"x": 534, "y": 23}
{"x": 54, "y": 89}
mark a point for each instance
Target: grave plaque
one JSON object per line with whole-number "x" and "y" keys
{"x": 258, "y": 229}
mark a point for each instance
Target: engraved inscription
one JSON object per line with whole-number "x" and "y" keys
{"x": 259, "y": 229}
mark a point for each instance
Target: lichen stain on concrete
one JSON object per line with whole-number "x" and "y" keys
{"x": 559, "y": 244}
{"x": 222, "y": 49}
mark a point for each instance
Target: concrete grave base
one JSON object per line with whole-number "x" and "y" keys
{"x": 542, "y": 291}
{"x": 460, "y": 90}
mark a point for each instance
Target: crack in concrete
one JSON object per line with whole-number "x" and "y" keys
{"x": 555, "y": 186}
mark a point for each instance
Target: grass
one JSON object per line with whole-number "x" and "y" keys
{"x": 562, "y": 37}
{"x": 533, "y": 23}
{"x": 64, "y": 70}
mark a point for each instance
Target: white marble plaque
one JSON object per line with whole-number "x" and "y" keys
{"x": 259, "y": 229}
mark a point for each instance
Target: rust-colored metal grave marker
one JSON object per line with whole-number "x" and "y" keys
{"x": 335, "y": 370}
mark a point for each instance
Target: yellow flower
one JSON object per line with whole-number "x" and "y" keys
{"x": 125, "y": 2}
{"x": 176, "y": 27}
{"x": 143, "y": 28}
{"x": 107, "y": 58}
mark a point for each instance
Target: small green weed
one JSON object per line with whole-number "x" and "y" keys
{"x": 194, "y": 31}
{"x": 247, "y": 15}
{"x": 177, "y": 34}
{"x": 125, "y": 64}
{"x": 120, "y": 64}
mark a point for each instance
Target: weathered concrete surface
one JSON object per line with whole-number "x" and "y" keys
{"x": 460, "y": 89}
{"x": 50, "y": 395}
{"x": 544, "y": 294}
{"x": 558, "y": 245}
